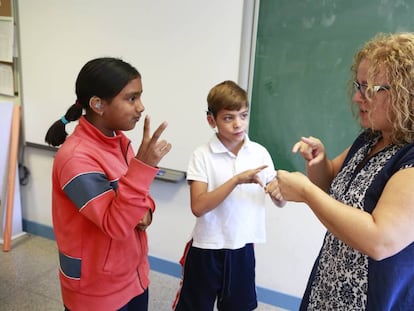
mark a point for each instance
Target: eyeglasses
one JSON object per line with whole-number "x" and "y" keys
{"x": 362, "y": 88}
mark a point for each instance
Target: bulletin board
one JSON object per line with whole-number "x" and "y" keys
{"x": 5, "y": 8}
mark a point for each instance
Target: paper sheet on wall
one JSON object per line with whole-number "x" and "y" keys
{"x": 6, "y": 79}
{"x": 6, "y": 39}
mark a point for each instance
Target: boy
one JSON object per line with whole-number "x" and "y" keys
{"x": 227, "y": 178}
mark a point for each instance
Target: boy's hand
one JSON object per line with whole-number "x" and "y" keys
{"x": 272, "y": 188}
{"x": 250, "y": 176}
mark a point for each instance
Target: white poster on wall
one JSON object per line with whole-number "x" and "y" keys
{"x": 6, "y": 79}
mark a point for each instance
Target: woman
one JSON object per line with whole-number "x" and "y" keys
{"x": 364, "y": 197}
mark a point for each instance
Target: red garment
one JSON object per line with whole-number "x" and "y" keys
{"x": 100, "y": 192}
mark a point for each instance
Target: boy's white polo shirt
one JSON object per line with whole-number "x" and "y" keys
{"x": 240, "y": 218}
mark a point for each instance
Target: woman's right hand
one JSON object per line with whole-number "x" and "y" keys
{"x": 151, "y": 151}
{"x": 311, "y": 149}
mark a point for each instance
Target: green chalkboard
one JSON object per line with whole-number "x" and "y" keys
{"x": 303, "y": 54}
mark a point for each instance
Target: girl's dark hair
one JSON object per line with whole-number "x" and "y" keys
{"x": 101, "y": 77}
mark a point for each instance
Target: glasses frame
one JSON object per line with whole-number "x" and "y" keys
{"x": 362, "y": 88}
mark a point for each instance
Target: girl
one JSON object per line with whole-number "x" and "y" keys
{"x": 100, "y": 191}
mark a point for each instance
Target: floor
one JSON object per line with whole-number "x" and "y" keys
{"x": 29, "y": 281}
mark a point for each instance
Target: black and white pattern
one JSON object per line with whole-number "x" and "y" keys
{"x": 341, "y": 279}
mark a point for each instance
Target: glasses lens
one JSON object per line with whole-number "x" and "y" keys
{"x": 361, "y": 88}
{"x": 356, "y": 86}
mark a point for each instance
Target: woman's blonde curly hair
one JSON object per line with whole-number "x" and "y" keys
{"x": 392, "y": 55}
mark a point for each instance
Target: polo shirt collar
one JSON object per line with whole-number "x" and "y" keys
{"x": 217, "y": 146}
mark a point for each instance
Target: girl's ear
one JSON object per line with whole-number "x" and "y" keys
{"x": 95, "y": 103}
{"x": 211, "y": 121}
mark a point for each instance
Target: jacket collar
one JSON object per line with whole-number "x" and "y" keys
{"x": 112, "y": 142}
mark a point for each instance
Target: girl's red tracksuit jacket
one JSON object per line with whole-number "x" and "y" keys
{"x": 100, "y": 192}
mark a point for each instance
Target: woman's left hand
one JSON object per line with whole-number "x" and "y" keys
{"x": 292, "y": 186}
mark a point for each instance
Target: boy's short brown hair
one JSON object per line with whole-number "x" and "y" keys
{"x": 226, "y": 95}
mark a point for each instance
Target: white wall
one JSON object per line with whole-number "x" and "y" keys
{"x": 181, "y": 48}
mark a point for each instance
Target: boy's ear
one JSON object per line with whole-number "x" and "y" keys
{"x": 211, "y": 121}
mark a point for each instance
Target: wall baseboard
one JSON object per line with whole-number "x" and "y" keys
{"x": 264, "y": 295}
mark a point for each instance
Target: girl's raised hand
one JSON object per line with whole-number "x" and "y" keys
{"x": 151, "y": 150}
